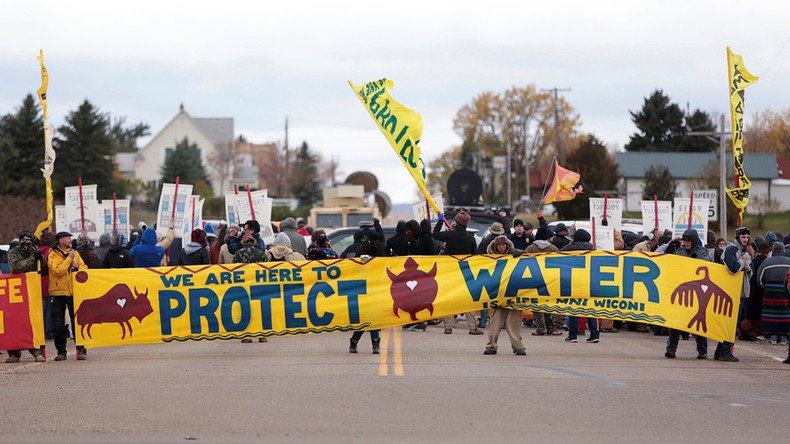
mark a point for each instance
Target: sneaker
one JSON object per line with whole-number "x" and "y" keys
{"x": 521, "y": 352}
{"x": 538, "y": 333}
{"x": 60, "y": 357}
{"x": 783, "y": 341}
{"x": 787, "y": 361}
{"x": 246, "y": 341}
{"x": 418, "y": 327}
{"x": 40, "y": 358}
{"x": 593, "y": 340}
{"x": 448, "y": 331}
{"x": 728, "y": 358}
{"x": 669, "y": 355}
{"x": 556, "y": 333}
{"x": 489, "y": 351}
{"x": 12, "y": 359}
{"x": 701, "y": 356}
{"x": 774, "y": 341}
{"x": 263, "y": 340}
{"x": 569, "y": 339}
{"x": 475, "y": 332}
{"x": 81, "y": 356}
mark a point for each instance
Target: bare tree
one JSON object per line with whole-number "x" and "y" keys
{"x": 221, "y": 162}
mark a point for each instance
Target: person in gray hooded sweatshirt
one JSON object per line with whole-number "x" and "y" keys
{"x": 288, "y": 226}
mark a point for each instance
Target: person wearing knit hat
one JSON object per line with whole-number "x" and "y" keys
{"x": 737, "y": 257}
{"x": 522, "y": 235}
{"x": 463, "y": 218}
{"x": 195, "y": 252}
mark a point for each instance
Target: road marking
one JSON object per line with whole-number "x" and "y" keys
{"x": 758, "y": 352}
{"x": 397, "y": 354}
{"x": 385, "y": 339}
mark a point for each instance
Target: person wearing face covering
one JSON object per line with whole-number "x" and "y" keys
{"x": 25, "y": 259}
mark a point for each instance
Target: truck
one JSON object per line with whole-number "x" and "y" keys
{"x": 343, "y": 206}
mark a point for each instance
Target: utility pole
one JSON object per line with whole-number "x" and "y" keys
{"x": 286, "y": 188}
{"x": 722, "y": 139}
{"x": 560, "y": 153}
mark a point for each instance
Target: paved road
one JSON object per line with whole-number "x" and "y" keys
{"x": 431, "y": 387}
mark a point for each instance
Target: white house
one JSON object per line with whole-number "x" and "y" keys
{"x": 761, "y": 169}
{"x": 209, "y": 134}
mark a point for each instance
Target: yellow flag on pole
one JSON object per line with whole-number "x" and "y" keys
{"x": 401, "y": 126}
{"x": 739, "y": 79}
{"x": 42, "y": 92}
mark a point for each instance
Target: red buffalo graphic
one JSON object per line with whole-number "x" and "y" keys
{"x": 704, "y": 289}
{"x": 413, "y": 290}
{"x": 117, "y": 305}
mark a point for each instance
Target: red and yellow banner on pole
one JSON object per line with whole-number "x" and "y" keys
{"x": 21, "y": 314}
{"x": 739, "y": 79}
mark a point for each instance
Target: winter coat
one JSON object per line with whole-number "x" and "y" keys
{"x": 644, "y": 247}
{"x": 426, "y": 245}
{"x": 249, "y": 254}
{"x": 398, "y": 244}
{"x": 147, "y": 253}
{"x": 773, "y": 269}
{"x": 542, "y": 246}
{"x": 288, "y": 226}
{"x": 501, "y": 239}
{"x": 105, "y": 243}
{"x": 522, "y": 242}
{"x": 118, "y": 257}
{"x": 697, "y": 251}
{"x": 322, "y": 251}
{"x": 457, "y": 240}
{"x": 89, "y": 256}
{"x": 25, "y": 260}
{"x": 60, "y": 271}
{"x": 282, "y": 252}
{"x": 44, "y": 250}
{"x": 560, "y": 241}
{"x": 738, "y": 258}
{"x": 194, "y": 254}
{"x": 352, "y": 250}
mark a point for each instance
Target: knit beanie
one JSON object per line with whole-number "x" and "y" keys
{"x": 463, "y": 218}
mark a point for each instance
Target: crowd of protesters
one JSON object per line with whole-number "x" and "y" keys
{"x": 765, "y": 261}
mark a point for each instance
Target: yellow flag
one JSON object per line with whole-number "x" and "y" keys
{"x": 401, "y": 126}
{"x": 739, "y": 78}
{"x": 42, "y": 92}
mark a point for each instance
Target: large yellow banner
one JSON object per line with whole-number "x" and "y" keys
{"x": 739, "y": 78}
{"x": 278, "y": 298}
{"x": 21, "y": 313}
{"x": 401, "y": 126}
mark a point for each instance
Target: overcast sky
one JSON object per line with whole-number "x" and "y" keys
{"x": 260, "y": 61}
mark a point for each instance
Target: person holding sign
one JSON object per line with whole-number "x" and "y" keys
{"x": 63, "y": 262}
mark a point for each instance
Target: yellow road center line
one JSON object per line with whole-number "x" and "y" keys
{"x": 397, "y": 354}
{"x": 385, "y": 339}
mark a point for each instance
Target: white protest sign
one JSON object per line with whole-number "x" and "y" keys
{"x": 60, "y": 219}
{"x": 699, "y": 218}
{"x": 420, "y": 211}
{"x": 664, "y": 208}
{"x": 713, "y": 201}
{"x": 262, "y": 206}
{"x": 193, "y": 215}
{"x": 604, "y": 238}
{"x": 231, "y": 213}
{"x": 614, "y": 212}
{"x": 164, "y": 217}
{"x": 121, "y": 216}
{"x": 89, "y": 210}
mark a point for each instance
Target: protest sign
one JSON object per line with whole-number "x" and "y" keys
{"x": 420, "y": 211}
{"x": 614, "y": 212}
{"x": 166, "y": 217}
{"x": 83, "y": 208}
{"x": 699, "y": 218}
{"x": 649, "y": 208}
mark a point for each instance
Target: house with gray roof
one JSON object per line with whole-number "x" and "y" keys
{"x": 209, "y": 134}
{"x": 685, "y": 167}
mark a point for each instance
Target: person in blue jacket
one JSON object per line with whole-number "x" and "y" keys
{"x": 147, "y": 253}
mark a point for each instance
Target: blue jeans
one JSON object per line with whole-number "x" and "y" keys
{"x": 573, "y": 327}
{"x": 483, "y": 318}
{"x": 49, "y": 328}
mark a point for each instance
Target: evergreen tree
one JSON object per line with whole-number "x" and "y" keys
{"x": 22, "y": 151}
{"x": 699, "y": 121}
{"x": 660, "y": 125}
{"x": 125, "y": 138}
{"x": 305, "y": 184}
{"x": 84, "y": 149}
{"x": 659, "y": 181}
{"x": 184, "y": 162}
{"x": 598, "y": 171}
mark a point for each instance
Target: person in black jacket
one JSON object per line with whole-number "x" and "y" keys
{"x": 373, "y": 246}
{"x": 398, "y": 244}
{"x": 581, "y": 242}
{"x": 522, "y": 235}
{"x": 426, "y": 245}
{"x": 118, "y": 256}
{"x": 457, "y": 240}
{"x": 353, "y": 249}
{"x": 195, "y": 252}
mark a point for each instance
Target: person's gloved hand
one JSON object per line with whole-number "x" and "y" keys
{"x": 440, "y": 216}
{"x": 539, "y": 214}
{"x": 517, "y": 253}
